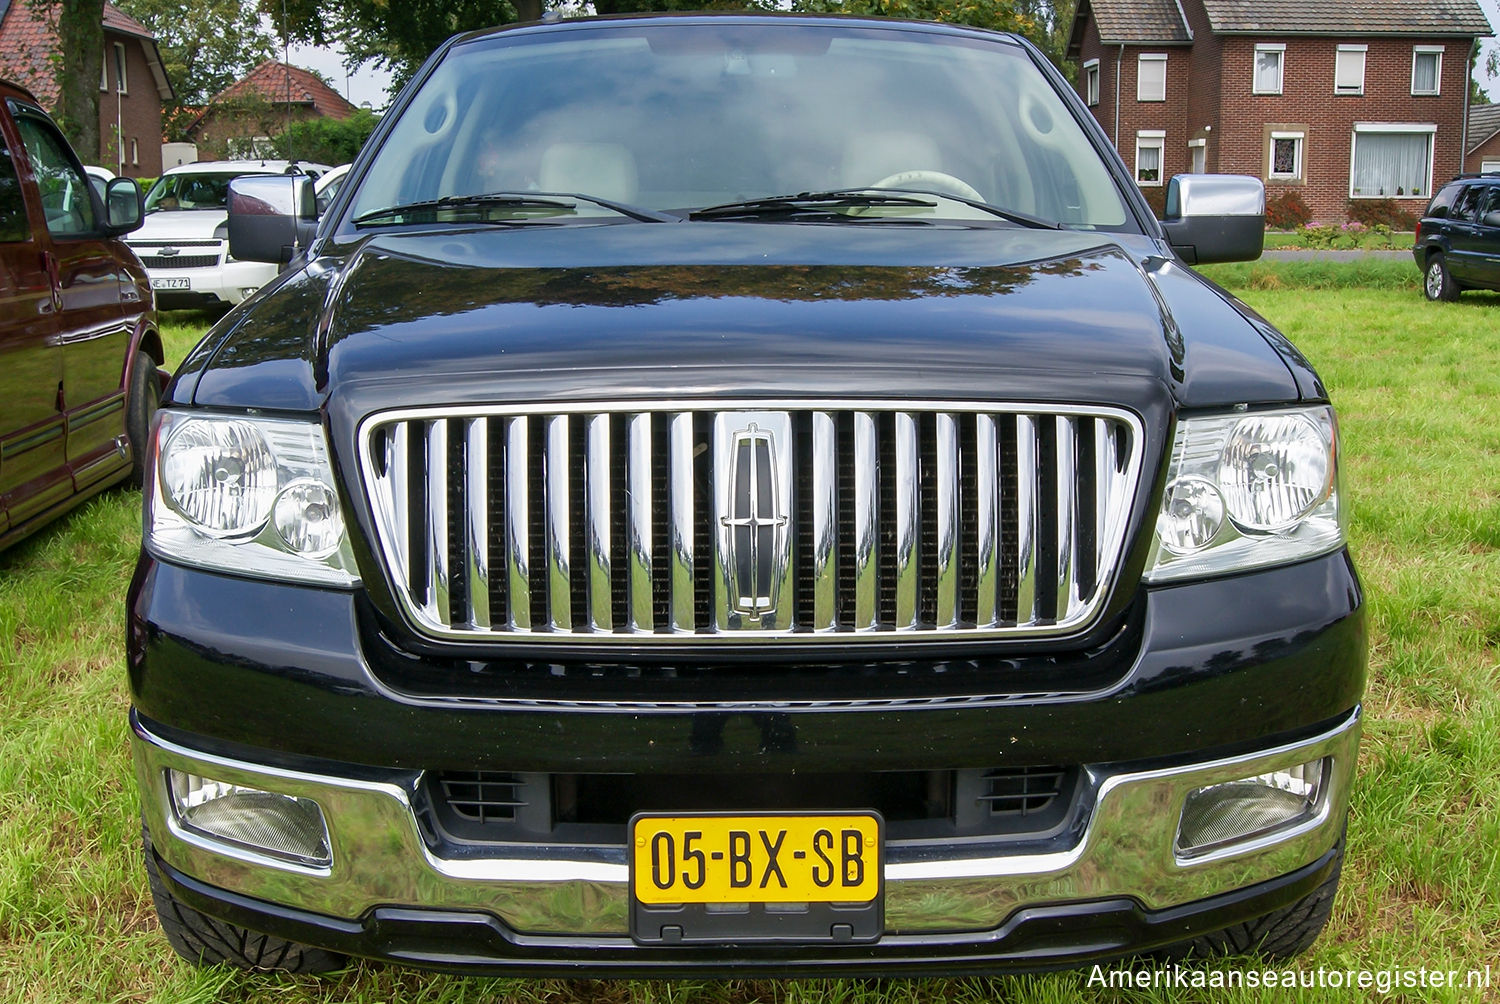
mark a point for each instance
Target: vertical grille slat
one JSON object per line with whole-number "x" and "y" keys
{"x": 986, "y": 520}
{"x": 598, "y": 467}
{"x": 639, "y": 473}
{"x": 681, "y": 489}
{"x": 611, "y": 523}
{"x": 436, "y": 592}
{"x": 518, "y": 523}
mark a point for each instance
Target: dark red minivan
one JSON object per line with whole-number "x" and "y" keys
{"x": 79, "y": 344}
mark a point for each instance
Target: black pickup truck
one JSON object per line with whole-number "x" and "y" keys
{"x": 730, "y": 494}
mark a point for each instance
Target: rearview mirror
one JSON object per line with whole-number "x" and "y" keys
{"x": 271, "y": 217}
{"x": 123, "y": 206}
{"x": 1215, "y": 217}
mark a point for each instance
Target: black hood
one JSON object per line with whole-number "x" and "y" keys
{"x": 740, "y": 310}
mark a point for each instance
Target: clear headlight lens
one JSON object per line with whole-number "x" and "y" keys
{"x": 1248, "y": 490}
{"x": 252, "y": 496}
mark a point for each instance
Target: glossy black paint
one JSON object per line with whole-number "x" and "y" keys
{"x": 297, "y": 673}
{"x": 1031, "y": 939}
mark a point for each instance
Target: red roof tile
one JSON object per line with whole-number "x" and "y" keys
{"x": 278, "y": 83}
{"x": 28, "y": 38}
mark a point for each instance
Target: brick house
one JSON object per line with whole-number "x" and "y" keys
{"x": 1336, "y": 102}
{"x": 132, "y": 87}
{"x": 240, "y": 118}
{"x": 1483, "y": 153}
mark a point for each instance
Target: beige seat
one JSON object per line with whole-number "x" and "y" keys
{"x": 606, "y": 170}
{"x": 871, "y": 156}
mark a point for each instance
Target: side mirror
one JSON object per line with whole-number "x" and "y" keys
{"x": 124, "y": 206}
{"x": 1215, "y": 217}
{"x": 271, "y": 217}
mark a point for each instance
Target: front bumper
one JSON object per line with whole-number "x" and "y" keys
{"x": 1117, "y": 886}
{"x": 227, "y": 283}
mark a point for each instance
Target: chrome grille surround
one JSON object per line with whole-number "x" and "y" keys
{"x": 617, "y": 522}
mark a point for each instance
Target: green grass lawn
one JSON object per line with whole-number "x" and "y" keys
{"x": 1418, "y": 391}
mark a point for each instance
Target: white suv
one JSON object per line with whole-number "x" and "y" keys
{"x": 184, "y": 242}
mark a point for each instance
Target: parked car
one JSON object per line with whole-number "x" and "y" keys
{"x": 328, "y": 186}
{"x": 182, "y": 242}
{"x": 79, "y": 348}
{"x": 772, "y": 501}
{"x": 1458, "y": 238}
{"x": 98, "y": 177}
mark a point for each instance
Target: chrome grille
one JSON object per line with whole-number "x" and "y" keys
{"x": 847, "y": 521}
{"x": 180, "y": 261}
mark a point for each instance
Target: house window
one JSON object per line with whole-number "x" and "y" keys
{"x": 1286, "y": 156}
{"x": 119, "y": 52}
{"x": 1268, "y": 61}
{"x": 1426, "y": 69}
{"x": 1198, "y": 152}
{"x": 1148, "y": 157}
{"x": 1349, "y": 70}
{"x": 1091, "y": 81}
{"x": 135, "y": 152}
{"x": 1391, "y": 161}
{"x": 1151, "y": 77}
{"x": 1487, "y": 166}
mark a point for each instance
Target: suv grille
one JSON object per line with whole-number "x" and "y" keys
{"x": 840, "y": 523}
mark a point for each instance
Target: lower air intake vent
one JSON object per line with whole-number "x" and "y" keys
{"x": 1023, "y": 791}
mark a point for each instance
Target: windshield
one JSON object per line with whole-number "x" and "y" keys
{"x": 677, "y": 116}
{"x": 189, "y": 191}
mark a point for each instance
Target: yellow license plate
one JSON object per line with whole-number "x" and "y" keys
{"x": 787, "y": 858}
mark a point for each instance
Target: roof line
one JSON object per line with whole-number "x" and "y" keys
{"x": 1482, "y": 142}
{"x": 1352, "y": 33}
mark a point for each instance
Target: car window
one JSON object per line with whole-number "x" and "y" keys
{"x": 683, "y": 116}
{"x": 14, "y": 225}
{"x": 66, "y": 201}
{"x": 1465, "y": 207}
{"x": 190, "y": 191}
{"x": 1491, "y": 201}
{"x": 1442, "y": 202}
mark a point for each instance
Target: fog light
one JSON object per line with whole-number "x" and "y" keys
{"x": 248, "y": 291}
{"x": 1221, "y": 814}
{"x": 283, "y": 826}
{"x": 307, "y": 517}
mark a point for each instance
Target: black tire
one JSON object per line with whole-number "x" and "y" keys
{"x": 1280, "y": 934}
{"x": 1437, "y": 282}
{"x": 142, "y": 398}
{"x": 204, "y": 941}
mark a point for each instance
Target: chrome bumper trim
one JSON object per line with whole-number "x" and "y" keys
{"x": 380, "y": 857}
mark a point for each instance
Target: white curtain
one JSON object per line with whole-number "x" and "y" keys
{"x": 1391, "y": 164}
{"x": 1268, "y": 72}
{"x": 1424, "y": 75}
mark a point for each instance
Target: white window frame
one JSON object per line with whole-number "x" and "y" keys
{"x": 122, "y": 85}
{"x": 1140, "y": 61}
{"x": 1430, "y": 128}
{"x": 1263, "y": 47}
{"x": 1151, "y": 139}
{"x": 1091, "y": 82}
{"x": 104, "y": 70}
{"x": 1298, "y": 160}
{"x": 1417, "y": 51}
{"x": 1350, "y": 50}
{"x": 1486, "y": 166}
{"x": 135, "y": 152}
{"x": 1195, "y": 147}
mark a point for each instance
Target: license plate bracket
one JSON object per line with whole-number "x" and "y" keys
{"x": 800, "y": 877}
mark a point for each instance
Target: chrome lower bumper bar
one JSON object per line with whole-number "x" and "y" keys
{"x": 379, "y": 856}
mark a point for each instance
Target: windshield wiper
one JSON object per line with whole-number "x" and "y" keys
{"x": 513, "y": 200}
{"x": 1009, "y": 215}
{"x": 822, "y": 203}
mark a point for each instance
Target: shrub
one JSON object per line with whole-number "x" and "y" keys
{"x": 326, "y": 140}
{"x": 1287, "y": 211}
{"x": 1381, "y": 211}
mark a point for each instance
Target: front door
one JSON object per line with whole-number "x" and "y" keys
{"x": 93, "y": 330}
{"x": 33, "y": 460}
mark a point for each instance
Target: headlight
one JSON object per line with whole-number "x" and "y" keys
{"x": 251, "y": 496}
{"x": 1246, "y": 491}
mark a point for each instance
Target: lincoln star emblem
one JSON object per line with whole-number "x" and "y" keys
{"x": 753, "y": 522}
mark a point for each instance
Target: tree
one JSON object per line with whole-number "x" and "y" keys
{"x": 80, "y": 36}
{"x": 206, "y": 45}
{"x": 398, "y": 36}
{"x": 326, "y": 140}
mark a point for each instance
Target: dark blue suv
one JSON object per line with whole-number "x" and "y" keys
{"x": 1458, "y": 239}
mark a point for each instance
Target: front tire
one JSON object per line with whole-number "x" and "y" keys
{"x": 142, "y": 398}
{"x": 1280, "y": 934}
{"x": 204, "y": 941}
{"x": 1438, "y": 283}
